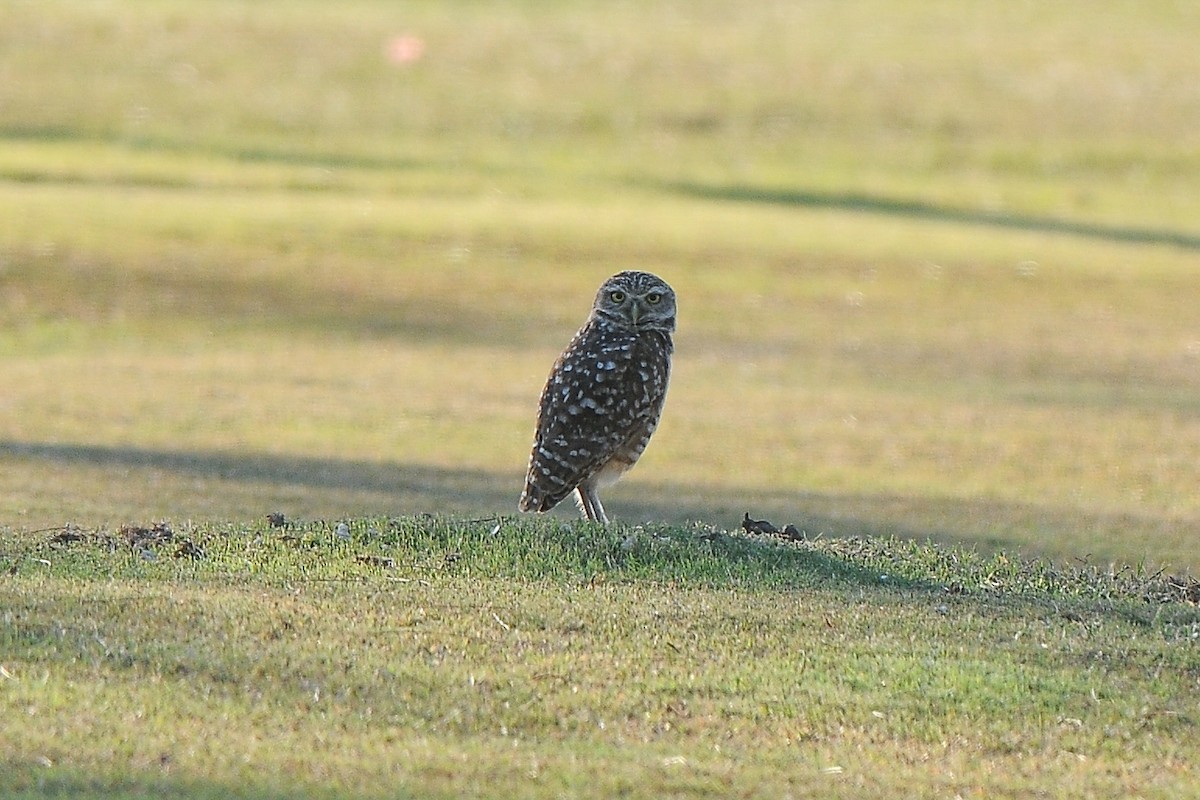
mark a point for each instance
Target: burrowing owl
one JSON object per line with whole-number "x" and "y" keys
{"x": 604, "y": 396}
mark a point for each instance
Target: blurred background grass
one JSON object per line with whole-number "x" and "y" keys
{"x": 937, "y": 263}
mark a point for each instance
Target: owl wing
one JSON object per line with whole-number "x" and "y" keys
{"x": 595, "y": 403}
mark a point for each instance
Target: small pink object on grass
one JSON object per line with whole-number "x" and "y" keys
{"x": 405, "y": 49}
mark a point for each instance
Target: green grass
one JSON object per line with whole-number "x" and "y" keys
{"x": 936, "y": 269}
{"x": 501, "y": 657}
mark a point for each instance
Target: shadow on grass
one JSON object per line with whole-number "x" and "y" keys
{"x": 526, "y": 547}
{"x": 234, "y": 150}
{"x": 861, "y": 546}
{"x": 917, "y": 209}
{"x": 371, "y": 487}
{"x": 461, "y": 490}
{"x": 109, "y": 289}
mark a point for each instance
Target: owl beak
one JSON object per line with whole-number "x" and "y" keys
{"x": 635, "y": 311}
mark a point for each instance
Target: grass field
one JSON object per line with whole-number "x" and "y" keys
{"x": 434, "y": 658}
{"x": 937, "y": 280}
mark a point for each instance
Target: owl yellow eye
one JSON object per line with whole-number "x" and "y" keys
{"x": 654, "y": 298}
{"x": 617, "y": 296}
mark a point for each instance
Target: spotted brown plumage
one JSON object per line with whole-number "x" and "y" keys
{"x": 604, "y": 395}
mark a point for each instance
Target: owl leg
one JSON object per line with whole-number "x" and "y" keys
{"x": 589, "y": 503}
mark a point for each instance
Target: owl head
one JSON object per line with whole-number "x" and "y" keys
{"x": 637, "y": 300}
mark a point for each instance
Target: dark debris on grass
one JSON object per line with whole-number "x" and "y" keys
{"x": 144, "y": 540}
